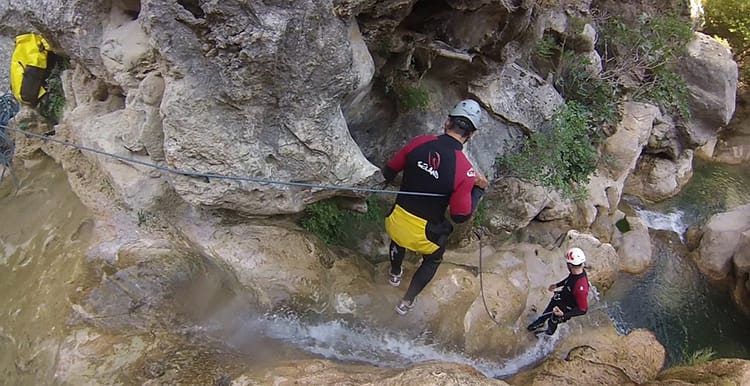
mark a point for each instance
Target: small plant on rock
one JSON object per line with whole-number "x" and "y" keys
{"x": 336, "y": 226}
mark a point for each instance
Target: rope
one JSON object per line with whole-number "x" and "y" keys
{"x": 481, "y": 282}
{"x": 214, "y": 175}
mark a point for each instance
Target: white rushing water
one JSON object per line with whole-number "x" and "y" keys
{"x": 672, "y": 221}
{"x": 340, "y": 340}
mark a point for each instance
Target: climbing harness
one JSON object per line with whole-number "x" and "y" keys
{"x": 8, "y": 109}
{"x": 214, "y": 175}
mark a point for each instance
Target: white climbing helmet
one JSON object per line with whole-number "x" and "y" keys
{"x": 575, "y": 256}
{"x": 469, "y": 109}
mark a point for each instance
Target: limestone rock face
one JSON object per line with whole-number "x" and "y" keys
{"x": 292, "y": 272}
{"x": 513, "y": 203}
{"x": 519, "y": 96}
{"x": 217, "y": 88}
{"x": 153, "y": 283}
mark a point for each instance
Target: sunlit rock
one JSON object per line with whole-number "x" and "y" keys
{"x": 633, "y": 246}
{"x": 317, "y": 372}
{"x": 599, "y": 357}
{"x": 714, "y": 372}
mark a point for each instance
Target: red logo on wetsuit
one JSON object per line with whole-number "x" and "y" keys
{"x": 432, "y": 165}
{"x": 433, "y": 159}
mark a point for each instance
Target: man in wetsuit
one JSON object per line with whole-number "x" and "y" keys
{"x": 571, "y": 295}
{"x": 432, "y": 164}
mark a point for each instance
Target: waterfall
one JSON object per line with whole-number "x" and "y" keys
{"x": 671, "y": 221}
{"x": 363, "y": 344}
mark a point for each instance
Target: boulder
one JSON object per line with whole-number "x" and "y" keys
{"x": 599, "y": 357}
{"x": 519, "y": 96}
{"x": 656, "y": 178}
{"x": 723, "y": 235}
{"x": 511, "y": 204}
{"x": 664, "y": 138}
{"x": 734, "y": 150}
{"x": 291, "y": 273}
{"x": 622, "y": 149}
{"x": 152, "y": 283}
{"x": 633, "y": 246}
{"x": 505, "y": 285}
{"x": 711, "y": 76}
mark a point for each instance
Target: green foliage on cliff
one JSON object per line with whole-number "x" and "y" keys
{"x": 729, "y": 19}
{"x": 638, "y": 61}
{"x": 52, "y": 104}
{"x": 578, "y": 84}
{"x": 344, "y": 227}
{"x": 640, "y": 58}
{"x": 561, "y": 159}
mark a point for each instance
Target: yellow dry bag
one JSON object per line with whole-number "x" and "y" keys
{"x": 28, "y": 68}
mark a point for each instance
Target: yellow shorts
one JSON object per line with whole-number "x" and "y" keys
{"x": 409, "y": 231}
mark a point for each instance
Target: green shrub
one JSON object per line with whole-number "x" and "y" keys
{"x": 699, "y": 357}
{"x": 336, "y": 226}
{"x": 561, "y": 159}
{"x": 649, "y": 43}
{"x": 575, "y": 81}
{"x": 546, "y": 47}
{"x": 646, "y": 53}
{"x": 412, "y": 96}
{"x": 577, "y": 84}
{"x": 667, "y": 90}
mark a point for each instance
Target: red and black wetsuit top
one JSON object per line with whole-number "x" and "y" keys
{"x": 435, "y": 164}
{"x": 574, "y": 295}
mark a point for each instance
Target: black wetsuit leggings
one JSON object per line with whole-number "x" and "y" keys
{"x": 554, "y": 320}
{"x": 424, "y": 273}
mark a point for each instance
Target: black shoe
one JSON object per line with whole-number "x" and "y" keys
{"x": 535, "y": 326}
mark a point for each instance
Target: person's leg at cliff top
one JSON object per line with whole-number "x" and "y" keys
{"x": 422, "y": 276}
